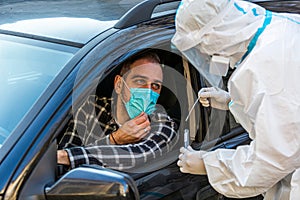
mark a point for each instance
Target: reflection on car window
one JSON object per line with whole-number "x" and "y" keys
{"x": 26, "y": 71}
{"x": 97, "y": 127}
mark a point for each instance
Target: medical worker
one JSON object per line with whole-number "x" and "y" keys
{"x": 263, "y": 94}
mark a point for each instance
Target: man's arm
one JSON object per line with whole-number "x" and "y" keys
{"x": 83, "y": 129}
{"x": 62, "y": 157}
{"x": 162, "y": 138}
{"x": 85, "y": 141}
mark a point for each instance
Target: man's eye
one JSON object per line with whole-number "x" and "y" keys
{"x": 141, "y": 82}
{"x": 155, "y": 86}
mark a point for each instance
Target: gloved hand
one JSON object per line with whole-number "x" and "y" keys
{"x": 217, "y": 98}
{"x": 190, "y": 161}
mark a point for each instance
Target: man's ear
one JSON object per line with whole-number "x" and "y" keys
{"x": 118, "y": 84}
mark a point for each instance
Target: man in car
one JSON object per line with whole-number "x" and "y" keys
{"x": 127, "y": 130}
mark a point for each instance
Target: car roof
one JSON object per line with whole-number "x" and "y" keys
{"x": 71, "y": 20}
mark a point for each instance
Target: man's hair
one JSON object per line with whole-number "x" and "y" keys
{"x": 150, "y": 56}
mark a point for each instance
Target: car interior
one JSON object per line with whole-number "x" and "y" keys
{"x": 167, "y": 97}
{"x": 180, "y": 86}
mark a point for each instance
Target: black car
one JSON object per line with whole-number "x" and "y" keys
{"x": 53, "y": 54}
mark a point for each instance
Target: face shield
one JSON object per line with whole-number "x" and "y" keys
{"x": 214, "y": 35}
{"x": 211, "y": 68}
{"x": 216, "y": 118}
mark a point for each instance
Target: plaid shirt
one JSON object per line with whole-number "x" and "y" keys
{"x": 87, "y": 138}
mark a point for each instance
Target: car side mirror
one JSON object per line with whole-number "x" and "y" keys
{"x": 92, "y": 182}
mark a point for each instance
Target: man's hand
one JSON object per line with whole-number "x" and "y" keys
{"x": 132, "y": 131}
{"x": 190, "y": 161}
{"x": 62, "y": 157}
{"x": 217, "y": 98}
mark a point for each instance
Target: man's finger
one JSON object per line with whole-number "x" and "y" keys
{"x": 144, "y": 127}
{"x": 140, "y": 118}
{"x": 144, "y": 131}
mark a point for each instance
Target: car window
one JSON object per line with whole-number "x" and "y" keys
{"x": 101, "y": 64}
{"x": 26, "y": 71}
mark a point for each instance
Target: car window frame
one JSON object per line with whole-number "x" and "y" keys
{"x": 147, "y": 35}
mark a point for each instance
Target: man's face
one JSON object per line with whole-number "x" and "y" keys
{"x": 143, "y": 74}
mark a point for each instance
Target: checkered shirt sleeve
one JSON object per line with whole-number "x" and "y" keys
{"x": 87, "y": 138}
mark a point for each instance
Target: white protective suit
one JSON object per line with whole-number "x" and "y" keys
{"x": 264, "y": 91}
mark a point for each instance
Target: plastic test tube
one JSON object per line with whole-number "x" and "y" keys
{"x": 186, "y": 138}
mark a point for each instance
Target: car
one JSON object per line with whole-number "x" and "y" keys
{"x": 54, "y": 54}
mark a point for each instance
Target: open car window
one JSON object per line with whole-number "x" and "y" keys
{"x": 173, "y": 100}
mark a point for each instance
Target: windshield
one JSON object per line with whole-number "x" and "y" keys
{"x": 27, "y": 68}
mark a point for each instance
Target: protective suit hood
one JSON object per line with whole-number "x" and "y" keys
{"x": 204, "y": 25}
